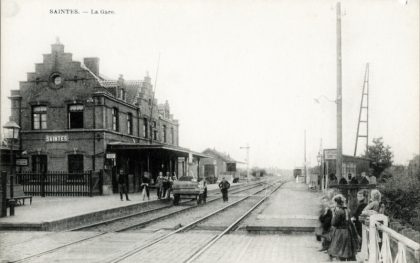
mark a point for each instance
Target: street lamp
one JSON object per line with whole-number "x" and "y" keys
{"x": 11, "y": 133}
{"x": 318, "y": 100}
{"x": 338, "y": 102}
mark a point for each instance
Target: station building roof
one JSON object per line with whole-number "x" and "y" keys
{"x": 180, "y": 151}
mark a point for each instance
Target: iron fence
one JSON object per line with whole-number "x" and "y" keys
{"x": 59, "y": 183}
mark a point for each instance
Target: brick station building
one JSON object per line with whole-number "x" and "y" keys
{"x": 219, "y": 165}
{"x": 74, "y": 119}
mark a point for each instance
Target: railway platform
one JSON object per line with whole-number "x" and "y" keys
{"x": 292, "y": 209}
{"x": 59, "y": 213}
{"x": 283, "y": 232}
{"x": 240, "y": 246}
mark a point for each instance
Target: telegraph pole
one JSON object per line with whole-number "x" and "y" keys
{"x": 304, "y": 156}
{"x": 339, "y": 160}
{"x": 247, "y": 160}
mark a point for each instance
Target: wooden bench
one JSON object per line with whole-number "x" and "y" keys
{"x": 18, "y": 195}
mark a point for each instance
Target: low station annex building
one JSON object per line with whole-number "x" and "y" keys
{"x": 73, "y": 119}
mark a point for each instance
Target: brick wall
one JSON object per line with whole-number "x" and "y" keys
{"x": 79, "y": 86}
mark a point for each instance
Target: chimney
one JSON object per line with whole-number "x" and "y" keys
{"x": 120, "y": 80}
{"x": 57, "y": 47}
{"x": 147, "y": 78}
{"x": 92, "y": 64}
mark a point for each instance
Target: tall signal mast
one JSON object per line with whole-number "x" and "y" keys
{"x": 364, "y": 110}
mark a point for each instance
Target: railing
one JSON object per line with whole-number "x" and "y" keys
{"x": 382, "y": 244}
{"x": 57, "y": 183}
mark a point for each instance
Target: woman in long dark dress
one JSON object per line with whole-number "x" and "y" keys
{"x": 343, "y": 246}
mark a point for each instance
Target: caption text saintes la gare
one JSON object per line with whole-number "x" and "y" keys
{"x": 78, "y": 12}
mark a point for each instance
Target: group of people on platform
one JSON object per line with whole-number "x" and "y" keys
{"x": 163, "y": 184}
{"x": 358, "y": 179}
{"x": 341, "y": 229}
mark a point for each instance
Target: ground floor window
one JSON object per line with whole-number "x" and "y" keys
{"x": 75, "y": 162}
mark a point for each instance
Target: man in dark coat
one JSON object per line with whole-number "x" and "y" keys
{"x": 342, "y": 180}
{"x": 364, "y": 179}
{"x": 224, "y": 186}
{"x": 353, "y": 180}
{"x": 123, "y": 184}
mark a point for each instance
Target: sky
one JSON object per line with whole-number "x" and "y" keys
{"x": 241, "y": 72}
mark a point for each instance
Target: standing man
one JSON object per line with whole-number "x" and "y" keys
{"x": 145, "y": 181}
{"x": 123, "y": 184}
{"x": 168, "y": 185}
{"x": 159, "y": 185}
{"x": 224, "y": 186}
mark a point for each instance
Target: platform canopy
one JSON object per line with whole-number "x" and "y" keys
{"x": 179, "y": 151}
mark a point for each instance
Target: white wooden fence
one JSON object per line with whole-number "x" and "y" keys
{"x": 381, "y": 244}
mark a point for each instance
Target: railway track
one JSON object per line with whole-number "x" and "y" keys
{"x": 228, "y": 229}
{"x": 151, "y": 215}
{"x": 140, "y": 225}
{"x": 193, "y": 224}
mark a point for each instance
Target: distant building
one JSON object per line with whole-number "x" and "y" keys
{"x": 74, "y": 119}
{"x": 351, "y": 164}
{"x": 221, "y": 164}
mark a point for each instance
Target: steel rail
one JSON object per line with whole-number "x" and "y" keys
{"x": 57, "y": 248}
{"x": 137, "y": 250}
{"x": 119, "y": 230}
{"x": 228, "y": 229}
{"x": 105, "y": 222}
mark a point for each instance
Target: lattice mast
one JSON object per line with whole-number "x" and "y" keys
{"x": 364, "y": 111}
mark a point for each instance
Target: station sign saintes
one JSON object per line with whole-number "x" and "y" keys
{"x": 56, "y": 138}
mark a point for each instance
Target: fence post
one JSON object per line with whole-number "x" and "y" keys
{"x": 3, "y": 194}
{"x": 90, "y": 183}
{"x": 364, "y": 251}
{"x": 372, "y": 240}
{"x": 43, "y": 184}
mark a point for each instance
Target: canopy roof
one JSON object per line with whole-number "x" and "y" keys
{"x": 180, "y": 151}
